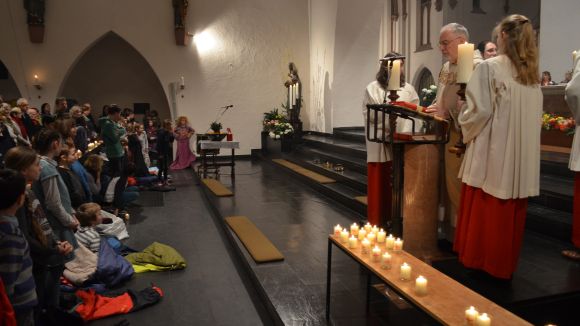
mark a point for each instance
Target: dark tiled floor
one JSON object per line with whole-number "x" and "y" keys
{"x": 298, "y": 219}
{"x": 210, "y": 291}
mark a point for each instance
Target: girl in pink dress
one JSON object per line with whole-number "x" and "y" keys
{"x": 184, "y": 156}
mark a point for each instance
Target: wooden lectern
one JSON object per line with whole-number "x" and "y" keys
{"x": 415, "y": 175}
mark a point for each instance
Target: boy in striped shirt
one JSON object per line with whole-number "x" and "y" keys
{"x": 15, "y": 262}
{"x": 89, "y": 215}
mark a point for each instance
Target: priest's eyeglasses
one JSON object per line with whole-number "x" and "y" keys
{"x": 446, "y": 43}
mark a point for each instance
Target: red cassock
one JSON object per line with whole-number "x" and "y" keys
{"x": 489, "y": 232}
{"x": 379, "y": 192}
{"x": 576, "y": 212}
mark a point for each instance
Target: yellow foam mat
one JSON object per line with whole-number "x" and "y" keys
{"x": 257, "y": 244}
{"x": 362, "y": 199}
{"x": 305, "y": 172}
{"x": 217, "y": 188}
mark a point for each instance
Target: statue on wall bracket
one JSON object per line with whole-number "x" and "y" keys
{"x": 35, "y": 19}
{"x": 179, "y": 15}
{"x": 294, "y": 91}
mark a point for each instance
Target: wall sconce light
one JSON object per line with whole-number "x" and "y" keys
{"x": 182, "y": 83}
{"x": 37, "y": 84}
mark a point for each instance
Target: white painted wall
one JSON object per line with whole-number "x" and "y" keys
{"x": 559, "y": 36}
{"x": 255, "y": 40}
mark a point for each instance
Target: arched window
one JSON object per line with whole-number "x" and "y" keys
{"x": 424, "y": 25}
{"x": 425, "y": 80}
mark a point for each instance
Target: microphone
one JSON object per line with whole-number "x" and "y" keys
{"x": 228, "y": 106}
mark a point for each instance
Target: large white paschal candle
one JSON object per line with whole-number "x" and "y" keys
{"x": 395, "y": 76}
{"x": 464, "y": 62}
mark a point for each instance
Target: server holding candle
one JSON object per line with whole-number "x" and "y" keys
{"x": 501, "y": 128}
{"x": 573, "y": 100}
{"x": 445, "y": 106}
{"x": 378, "y": 154}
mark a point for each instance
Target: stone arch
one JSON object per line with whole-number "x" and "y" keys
{"x": 111, "y": 70}
{"x": 423, "y": 79}
{"x": 8, "y": 87}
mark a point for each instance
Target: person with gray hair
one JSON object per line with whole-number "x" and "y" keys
{"x": 445, "y": 106}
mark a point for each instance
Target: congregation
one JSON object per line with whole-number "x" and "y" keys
{"x": 66, "y": 183}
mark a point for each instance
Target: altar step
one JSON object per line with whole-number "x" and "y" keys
{"x": 550, "y": 213}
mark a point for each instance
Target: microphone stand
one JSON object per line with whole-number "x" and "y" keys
{"x": 220, "y": 114}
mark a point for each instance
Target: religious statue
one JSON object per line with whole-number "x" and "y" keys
{"x": 294, "y": 93}
{"x": 35, "y": 11}
{"x": 179, "y": 13}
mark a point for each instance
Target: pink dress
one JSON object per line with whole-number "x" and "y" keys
{"x": 183, "y": 156}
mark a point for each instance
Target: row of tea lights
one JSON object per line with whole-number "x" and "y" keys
{"x": 368, "y": 235}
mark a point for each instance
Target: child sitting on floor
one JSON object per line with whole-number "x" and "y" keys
{"x": 89, "y": 215}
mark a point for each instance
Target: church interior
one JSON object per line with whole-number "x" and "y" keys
{"x": 306, "y": 162}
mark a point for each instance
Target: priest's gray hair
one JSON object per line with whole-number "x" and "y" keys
{"x": 457, "y": 29}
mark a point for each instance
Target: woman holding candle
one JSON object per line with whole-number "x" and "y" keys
{"x": 573, "y": 100}
{"x": 501, "y": 126}
{"x": 378, "y": 155}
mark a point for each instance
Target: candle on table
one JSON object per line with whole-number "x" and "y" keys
{"x": 337, "y": 230}
{"x": 390, "y": 242}
{"x": 362, "y": 234}
{"x": 471, "y": 315}
{"x": 405, "y": 272}
{"x": 344, "y": 236}
{"x": 464, "y": 62}
{"x": 368, "y": 227}
{"x": 381, "y": 235}
{"x": 395, "y": 76}
{"x": 375, "y": 230}
{"x": 366, "y": 246}
{"x": 354, "y": 229}
{"x": 376, "y": 254}
{"x": 421, "y": 285}
{"x": 372, "y": 237}
{"x": 483, "y": 320}
{"x": 386, "y": 261}
{"x": 352, "y": 242}
{"x": 398, "y": 245}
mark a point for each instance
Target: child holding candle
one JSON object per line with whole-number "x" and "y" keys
{"x": 378, "y": 154}
{"x": 500, "y": 123}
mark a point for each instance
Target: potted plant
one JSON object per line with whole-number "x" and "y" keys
{"x": 216, "y": 134}
{"x": 277, "y": 132}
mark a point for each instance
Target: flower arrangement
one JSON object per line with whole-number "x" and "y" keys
{"x": 428, "y": 95}
{"x": 551, "y": 121}
{"x": 276, "y": 124}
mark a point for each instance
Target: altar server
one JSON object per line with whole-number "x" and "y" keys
{"x": 379, "y": 165}
{"x": 501, "y": 123}
{"x": 573, "y": 100}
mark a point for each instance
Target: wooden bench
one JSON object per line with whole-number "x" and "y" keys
{"x": 446, "y": 300}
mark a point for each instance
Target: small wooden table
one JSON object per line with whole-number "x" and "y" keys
{"x": 206, "y": 145}
{"x": 446, "y": 300}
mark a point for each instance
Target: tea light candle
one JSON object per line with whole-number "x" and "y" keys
{"x": 483, "y": 320}
{"x": 405, "y": 272}
{"x": 471, "y": 315}
{"x": 352, "y": 242}
{"x": 421, "y": 285}
{"x": 381, "y": 235}
{"x": 375, "y": 230}
{"x": 344, "y": 236}
{"x": 366, "y": 246}
{"x": 398, "y": 245}
{"x": 386, "y": 261}
{"x": 368, "y": 227}
{"x": 337, "y": 230}
{"x": 376, "y": 254}
{"x": 390, "y": 242}
{"x": 372, "y": 237}
{"x": 362, "y": 234}
{"x": 354, "y": 229}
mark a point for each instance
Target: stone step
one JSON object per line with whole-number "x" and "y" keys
{"x": 352, "y": 163}
{"x": 341, "y": 146}
{"x": 549, "y": 222}
{"x": 350, "y": 133}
